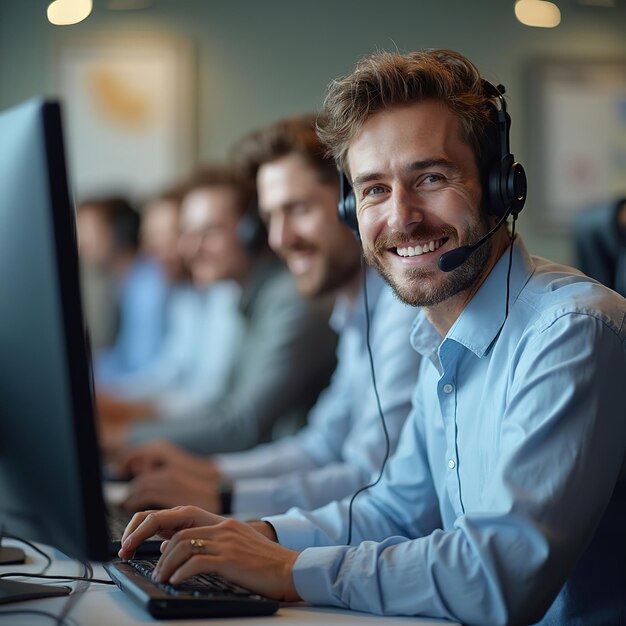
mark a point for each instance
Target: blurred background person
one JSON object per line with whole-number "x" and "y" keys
{"x": 108, "y": 235}
{"x": 600, "y": 243}
{"x": 192, "y": 367}
{"x": 284, "y": 352}
{"x": 97, "y": 282}
{"x": 343, "y": 445}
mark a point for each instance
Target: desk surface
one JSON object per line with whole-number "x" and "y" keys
{"x": 103, "y": 605}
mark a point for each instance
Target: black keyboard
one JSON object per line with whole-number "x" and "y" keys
{"x": 207, "y": 585}
{"x": 202, "y": 595}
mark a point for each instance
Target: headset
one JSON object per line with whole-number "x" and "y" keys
{"x": 504, "y": 185}
{"x": 251, "y": 231}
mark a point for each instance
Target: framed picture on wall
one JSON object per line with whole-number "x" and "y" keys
{"x": 129, "y": 113}
{"x": 578, "y": 136}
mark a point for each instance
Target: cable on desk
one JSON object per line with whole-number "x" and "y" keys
{"x": 69, "y": 622}
{"x": 30, "y": 545}
{"x": 75, "y": 595}
{"x": 60, "y": 577}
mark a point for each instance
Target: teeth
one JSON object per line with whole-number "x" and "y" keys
{"x": 418, "y": 250}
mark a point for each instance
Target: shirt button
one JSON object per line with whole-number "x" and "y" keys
{"x": 448, "y": 388}
{"x": 451, "y": 464}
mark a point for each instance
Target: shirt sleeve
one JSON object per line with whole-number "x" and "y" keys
{"x": 561, "y": 450}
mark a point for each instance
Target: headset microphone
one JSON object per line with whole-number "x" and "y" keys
{"x": 449, "y": 261}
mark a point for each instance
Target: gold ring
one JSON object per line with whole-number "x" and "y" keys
{"x": 196, "y": 545}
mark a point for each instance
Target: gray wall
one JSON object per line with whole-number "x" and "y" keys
{"x": 260, "y": 60}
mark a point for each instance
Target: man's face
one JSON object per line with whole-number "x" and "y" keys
{"x": 160, "y": 235}
{"x": 95, "y": 237}
{"x": 208, "y": 240}
{"x": 301, "y": 214}
{"x": 418, "y": 195}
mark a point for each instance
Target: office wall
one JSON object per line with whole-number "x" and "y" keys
{"x": 259, "y": 60}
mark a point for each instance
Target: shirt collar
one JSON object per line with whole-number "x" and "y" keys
{"x": 481, "y": 320}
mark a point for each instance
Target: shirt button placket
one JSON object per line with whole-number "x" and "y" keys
{"x": 448, "y": 404}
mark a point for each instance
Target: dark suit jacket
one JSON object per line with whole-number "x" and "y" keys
{"x": 600, "y": 245}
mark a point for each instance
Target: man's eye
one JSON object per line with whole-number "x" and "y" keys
{"x": 433, "y": 178}
{"x": 375, "y": 190}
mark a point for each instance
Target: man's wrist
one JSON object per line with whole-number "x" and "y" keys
{"x": 265, "y": 528}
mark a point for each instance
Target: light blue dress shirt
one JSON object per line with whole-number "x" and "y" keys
{"x": 143, "y": 295}
{"x": 343, "y": 445}
{"x": 499, "y": 505}
{"x": 193, "y": 366}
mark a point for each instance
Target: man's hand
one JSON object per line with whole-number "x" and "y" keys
{"x": 156, "y": 454}
{"x": 117, "y": 411}
{"x": 199, "y": 541}
{"x": 167, "y": 487}
{"x": 115, "y": 417}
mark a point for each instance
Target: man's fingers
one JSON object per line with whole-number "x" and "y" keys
{"x": 195, "y": 565}
{"x": 163, "y": 523}
{"x": 136, "y": 519}
{"x": 182, "y": 549}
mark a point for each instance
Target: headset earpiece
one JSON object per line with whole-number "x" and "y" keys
{"x": 506, "y": 180}
{"x": 251, "y": 232}
{"x": 347, "y": 205}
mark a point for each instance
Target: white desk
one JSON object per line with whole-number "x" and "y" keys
{"x": 106, "y": 605}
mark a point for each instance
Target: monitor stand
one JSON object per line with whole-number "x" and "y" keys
{"x": 11, "y": 556}
{"x": 13, "y": 591}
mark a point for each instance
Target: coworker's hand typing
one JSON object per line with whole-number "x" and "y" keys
{"x": 147, "y": 457}
{"x": 241, "y": 553}
{"x": 167, "y": 487}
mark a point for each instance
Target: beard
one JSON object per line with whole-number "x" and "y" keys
{"x": 328, "y": 274}
{"x": 418, "y": 286}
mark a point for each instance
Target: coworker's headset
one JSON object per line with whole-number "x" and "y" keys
{"x": 504, "y": 186}
{"x": 251, "y": 231}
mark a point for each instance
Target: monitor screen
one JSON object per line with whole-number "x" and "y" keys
{"x": 50, "y": 481}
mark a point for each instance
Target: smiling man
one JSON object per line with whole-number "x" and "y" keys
{"x": 504, "y": 503}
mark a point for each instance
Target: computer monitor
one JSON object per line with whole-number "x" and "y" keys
{"x": 50, "y": 475}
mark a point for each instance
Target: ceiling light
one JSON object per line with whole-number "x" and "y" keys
{"x": 66, "y": 12}
{"x": 537, "y": 13}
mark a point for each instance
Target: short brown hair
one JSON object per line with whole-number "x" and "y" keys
{"x": 294, "y": 135}
{"x": 218, "y": 175}
{"x": 386, "y": 79}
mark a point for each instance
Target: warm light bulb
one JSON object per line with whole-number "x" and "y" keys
{"x": 537, "y": 13}
{"x": 65, "y": 12}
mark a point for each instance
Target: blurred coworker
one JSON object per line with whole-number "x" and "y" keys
{"x": 600, "y": 244}
{"x": 285, "y": 351}
{"x": 97, "y": 283}
{"x": 343, "y": 445}
{"x": 192, "y": 367}
{"x": 108, "y": 231}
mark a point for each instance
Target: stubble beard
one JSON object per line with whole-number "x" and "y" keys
{"x": 327, "y": 277}
{"x": 417, "y": 286}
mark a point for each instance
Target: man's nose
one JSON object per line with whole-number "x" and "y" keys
{"x": 280, "y": 234}
{"x": 406, "y": 209}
